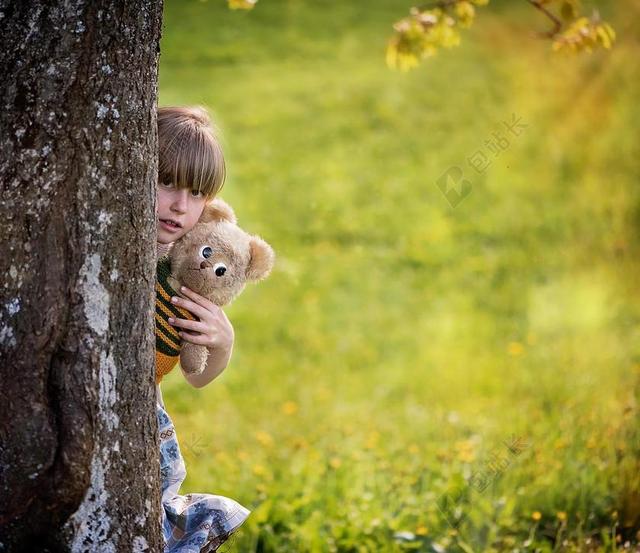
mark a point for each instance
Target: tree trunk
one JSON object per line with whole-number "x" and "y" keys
{"x": 79, "y": 466}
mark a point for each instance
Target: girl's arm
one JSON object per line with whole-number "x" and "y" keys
{"x": 213, "y": 331}
{"x": 216, "y": 363}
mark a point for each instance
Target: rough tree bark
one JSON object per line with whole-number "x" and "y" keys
{"x": 79, "y": 464}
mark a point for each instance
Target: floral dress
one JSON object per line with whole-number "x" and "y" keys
{"x": 196, "y": 522}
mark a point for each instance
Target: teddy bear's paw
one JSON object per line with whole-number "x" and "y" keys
{"x": 193, "y": 372}
{"x": 194, "y": 358}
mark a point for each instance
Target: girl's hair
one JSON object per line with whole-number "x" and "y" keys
{"x": 190, "y": 155}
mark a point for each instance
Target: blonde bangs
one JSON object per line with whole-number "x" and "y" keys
{"x": 190, "y": 155}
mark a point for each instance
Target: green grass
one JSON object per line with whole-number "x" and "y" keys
{"x": 399, "y": 341}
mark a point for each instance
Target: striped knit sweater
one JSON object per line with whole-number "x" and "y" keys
{"x": 168, "y": 342}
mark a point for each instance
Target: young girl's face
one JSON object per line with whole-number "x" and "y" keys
{"x": 177, "y": 211}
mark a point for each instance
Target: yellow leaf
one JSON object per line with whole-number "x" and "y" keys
{"x": 242, "y": 4}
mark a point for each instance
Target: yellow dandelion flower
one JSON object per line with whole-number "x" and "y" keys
{"x": 421, "y": 531}
{"x": 259, "y": 470}
{"x": 242, "y": 455}
{"x": 537, "y": 515}
{"x": 264, "y": 438}
{"x": 592, "y": 443}
{"x": 372, "y": 440}
{"x": 465, "y": 449}
{"x": 463, "y": 444}
{"x": 413, "y": 449}
{"x": 562, "y": 516}
{"x": 466, "y": 456}
{"x": 289, "y": 407}
{"x": 515, "y": 349}
{"x": 334, "y": 462}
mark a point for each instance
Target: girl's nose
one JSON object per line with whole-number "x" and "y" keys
{"x": 180, "y": 200}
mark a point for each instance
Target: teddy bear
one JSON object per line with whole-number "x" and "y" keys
{"x": 215, "y": 259}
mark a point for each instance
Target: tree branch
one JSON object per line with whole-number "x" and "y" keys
{"x": 557, "y": 24}
{"x": 444, "y": 4}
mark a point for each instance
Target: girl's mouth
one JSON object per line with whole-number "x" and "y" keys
{"x": 170, "y": 225}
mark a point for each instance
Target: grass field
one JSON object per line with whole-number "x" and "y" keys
{"x": 414, "y": 376}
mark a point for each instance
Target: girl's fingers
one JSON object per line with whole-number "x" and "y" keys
{"x": 193, "y": 307}
{"x": 204, "y": 302}
{"x": 198, "y": 339}
{"x": 198, "y": 326}
{"x": 191, "y": 294}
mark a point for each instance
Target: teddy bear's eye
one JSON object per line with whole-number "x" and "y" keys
{"x": 206, "y": 252}
{"x": 219, "y": 269}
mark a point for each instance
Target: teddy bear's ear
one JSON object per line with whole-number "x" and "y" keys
{"x": 262, "y": 259}
{"x": 217, "y": 210}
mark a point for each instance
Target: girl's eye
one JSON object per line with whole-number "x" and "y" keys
{"x": 196, "y": 193}
{"x": 219, "y": 269}
{"x": 206, "y": 252}
{"x": 167, "y": 184}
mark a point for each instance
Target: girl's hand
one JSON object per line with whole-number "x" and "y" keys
{"x": 213, "y": 330}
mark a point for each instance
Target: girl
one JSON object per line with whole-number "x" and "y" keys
{"x": 191, "y": 171}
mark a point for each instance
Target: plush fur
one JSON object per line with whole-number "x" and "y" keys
{"x": 236, "y": 257}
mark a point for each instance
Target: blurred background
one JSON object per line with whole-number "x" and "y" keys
{"x": 421, "y": 372}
